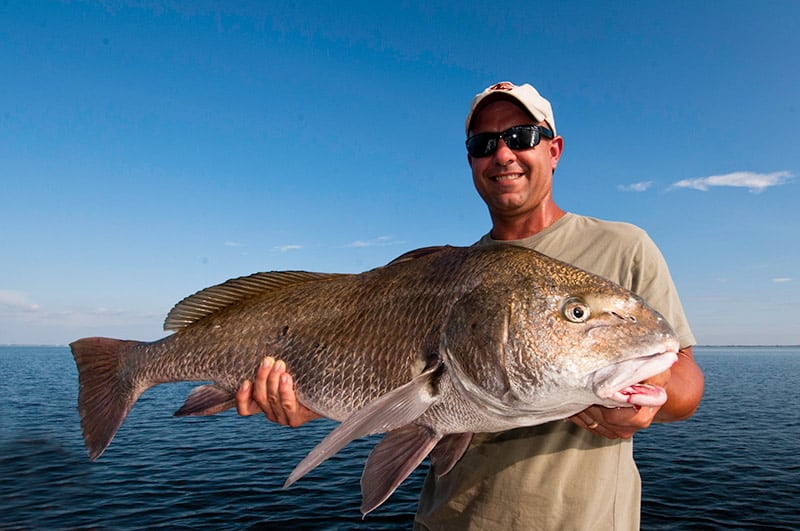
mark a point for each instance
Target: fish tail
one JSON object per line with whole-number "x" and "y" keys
{"x": 105, "y": 395}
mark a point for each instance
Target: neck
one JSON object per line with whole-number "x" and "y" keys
{"x": 517, "y": 228}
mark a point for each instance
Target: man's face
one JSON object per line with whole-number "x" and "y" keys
{"x": 513, "y": 183}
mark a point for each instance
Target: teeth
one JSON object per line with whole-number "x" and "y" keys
{"x": 500, "y": 178}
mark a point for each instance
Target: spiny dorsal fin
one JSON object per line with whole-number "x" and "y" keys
{"x": 418, "y": 253}
{"x": 210, "y": 300}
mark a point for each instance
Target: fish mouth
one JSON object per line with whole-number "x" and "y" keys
{"x": 619, "y": 384}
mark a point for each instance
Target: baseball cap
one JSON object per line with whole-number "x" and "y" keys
{"x": 526, "y": 95}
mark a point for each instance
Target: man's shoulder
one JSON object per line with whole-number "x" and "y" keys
{"x": 600, "y": 229}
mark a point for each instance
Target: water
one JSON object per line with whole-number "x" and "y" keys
{"x": 734, "y": 465}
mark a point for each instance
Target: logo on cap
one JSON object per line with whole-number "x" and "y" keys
{"x": 505, "y": 85}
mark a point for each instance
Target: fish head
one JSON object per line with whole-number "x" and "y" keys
{"x": 611, "y": 341}
{"x": 555, "y": 340}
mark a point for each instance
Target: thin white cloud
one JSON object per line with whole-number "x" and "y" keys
{"x": 635, "y": 187}
{"x": 375, "y": 242}
{"x": 285, "y": 248}
{"x": 16, "y": 301}
{"x": 755, "y": 182}
{"x": 15, "y": 307}
{"x": 781, "y": 280}
{"x": 106, "y": 312}
{"x": 232, "y": 244}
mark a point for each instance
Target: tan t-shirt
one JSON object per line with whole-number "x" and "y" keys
{"x": 557, "y": 475}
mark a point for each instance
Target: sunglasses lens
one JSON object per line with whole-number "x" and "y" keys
{"x": 482, "y": 145}
{"x": 521, "y": 137}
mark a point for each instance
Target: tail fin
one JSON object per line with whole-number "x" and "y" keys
{"x": 105, "y": 397}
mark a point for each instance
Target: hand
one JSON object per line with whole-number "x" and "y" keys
{"x": 615, "y": 423}
{"x": 622, "y": 422}
{"x": 272, "y": 393}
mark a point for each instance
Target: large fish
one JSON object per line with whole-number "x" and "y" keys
{"x": 431, "y": 348}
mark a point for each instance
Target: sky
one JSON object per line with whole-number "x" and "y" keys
{"x": 151, "y": 149}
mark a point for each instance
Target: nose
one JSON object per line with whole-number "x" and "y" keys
{"x": 503, "y": 155}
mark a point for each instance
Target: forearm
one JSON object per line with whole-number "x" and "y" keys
{"x": 684, "y": 390}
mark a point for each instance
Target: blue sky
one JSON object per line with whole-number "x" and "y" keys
{"x": 150, "y": 149}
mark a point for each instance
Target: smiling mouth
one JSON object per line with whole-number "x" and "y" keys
{"x": 505, "y": 177}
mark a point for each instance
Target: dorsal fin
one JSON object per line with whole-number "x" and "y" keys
{"x": 210, "y": 300}
{"x": 417, "y": 253}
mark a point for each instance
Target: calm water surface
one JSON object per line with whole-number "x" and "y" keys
{"x": 734, "y": 465}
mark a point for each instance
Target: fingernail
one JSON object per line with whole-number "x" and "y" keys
{"x": 280, "y": 365}
{"x": 267, "y": 362}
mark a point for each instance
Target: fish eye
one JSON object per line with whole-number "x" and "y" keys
{"x": 575, "y": 310}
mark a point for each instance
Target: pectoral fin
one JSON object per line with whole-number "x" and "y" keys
{"x": 394, "y": 409}
{"x": 391, "y": 461}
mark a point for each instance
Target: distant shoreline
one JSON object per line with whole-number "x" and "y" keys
{"x": 698, "y": 346}
{"x": 747, "y": 346}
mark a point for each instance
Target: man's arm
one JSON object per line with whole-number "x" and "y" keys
{"x": 684, "y": 389}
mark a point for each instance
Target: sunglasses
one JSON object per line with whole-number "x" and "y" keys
{"x": 517, "y": 138}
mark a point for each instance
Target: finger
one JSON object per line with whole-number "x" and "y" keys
{"x": 244, "y": 402}
{"x": 625, "y": 422}
{"x": 593, "y": 420}
{"x": 598, "y": 425}
{"x": 274, "y": 392}
{"x": 591, "y": 417}
{"x": 627, "y": 419}
{"x": 584, "y": 420}
{"x": 288, "y": 400}
{"x": 591, "y": 424}
{"x": 260, "y": 387}
{"x": 608, "y": 433}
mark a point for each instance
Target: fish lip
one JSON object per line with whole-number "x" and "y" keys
{"x": 619, "y": 383}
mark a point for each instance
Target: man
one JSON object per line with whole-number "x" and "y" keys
{"x": 560, "y": 475}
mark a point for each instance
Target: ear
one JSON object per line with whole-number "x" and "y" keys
{"x": 556, "y": 147}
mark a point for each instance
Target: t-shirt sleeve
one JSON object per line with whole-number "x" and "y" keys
{"x": 651, "y": 280}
